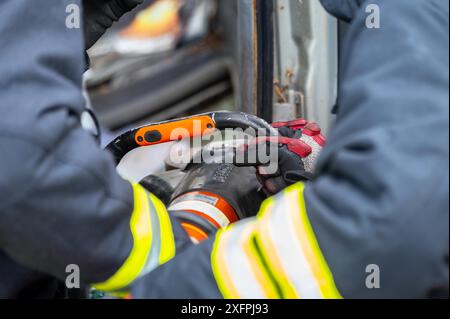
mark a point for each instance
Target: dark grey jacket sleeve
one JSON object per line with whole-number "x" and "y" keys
{"x": 382, "y": 192}
{"x": 61, "y": 200}
{"x": 380, "y": 200}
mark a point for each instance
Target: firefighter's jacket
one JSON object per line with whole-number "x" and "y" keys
{"x": 62, "y": 204}
{"x": 374, "y": 223}
{"x": 378, "y": 207}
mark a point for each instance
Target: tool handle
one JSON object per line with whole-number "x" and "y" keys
{"x": 169, "y": 131}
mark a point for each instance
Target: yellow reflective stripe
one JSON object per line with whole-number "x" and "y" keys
{"x": 289, "y": 247}
{"x": 257, "y": 266}
{"x": 166, "y": 233}
{"x": 219, "y": 266}
{"x": 235, "y": 252}
{"x": 242, "y": 269}
{"x": 309, "y": 243}
{"x": 236, "y": 267}
{"x": 140, "y": 226}
{"x": 272, "y": 256}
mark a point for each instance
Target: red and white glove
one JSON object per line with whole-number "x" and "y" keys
{"x": 310, "y": 134}
{"x": 297, "y": 147}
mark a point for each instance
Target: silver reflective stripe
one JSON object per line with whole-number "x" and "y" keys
{"x": 280, "y": 224}
{"x": 291, "y": 263}
{"x": 237, "y": 262}
{"x": 153, "y": 258}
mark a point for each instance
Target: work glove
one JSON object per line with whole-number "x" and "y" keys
{"x": 211, "y": 195}
{"x": 296, "y": 149}
{"x": 99, "y": 15}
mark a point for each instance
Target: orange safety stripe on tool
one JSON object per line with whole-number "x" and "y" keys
{"x": 153, "y": 241}
{"x": 208, "y": 206}
{"x": 214, "y": 200}
{"x": 284, "y": 247}
{"x": 174, "y": 130}
{"x": 195, "y": 233}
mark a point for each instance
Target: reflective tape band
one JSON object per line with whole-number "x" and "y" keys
{"x": 235, "y": 266}
{"x": 272, "y": 254}
{"x": 287, "y": 232}
{"x": 155, "y": 251}
{"x": 220, "y": 270}
{"x": 153, "y": 242}
{"x": 282, "y": 233}
{"x": 167, "y": 239}
{"x": 140, "y": 226}
{"x": 256, "y": 263}
{"x": 311, "y": 247}
{"x": 287, "y": 260}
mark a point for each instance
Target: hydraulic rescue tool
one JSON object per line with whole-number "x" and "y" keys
{"x": 201, "y": 201}
{"x": 162, "y": 132}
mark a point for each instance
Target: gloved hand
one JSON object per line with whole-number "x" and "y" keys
{"x": 213, "y": 196}
{"x": 99, "y": 15}
{"x": 297, "y": 147}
